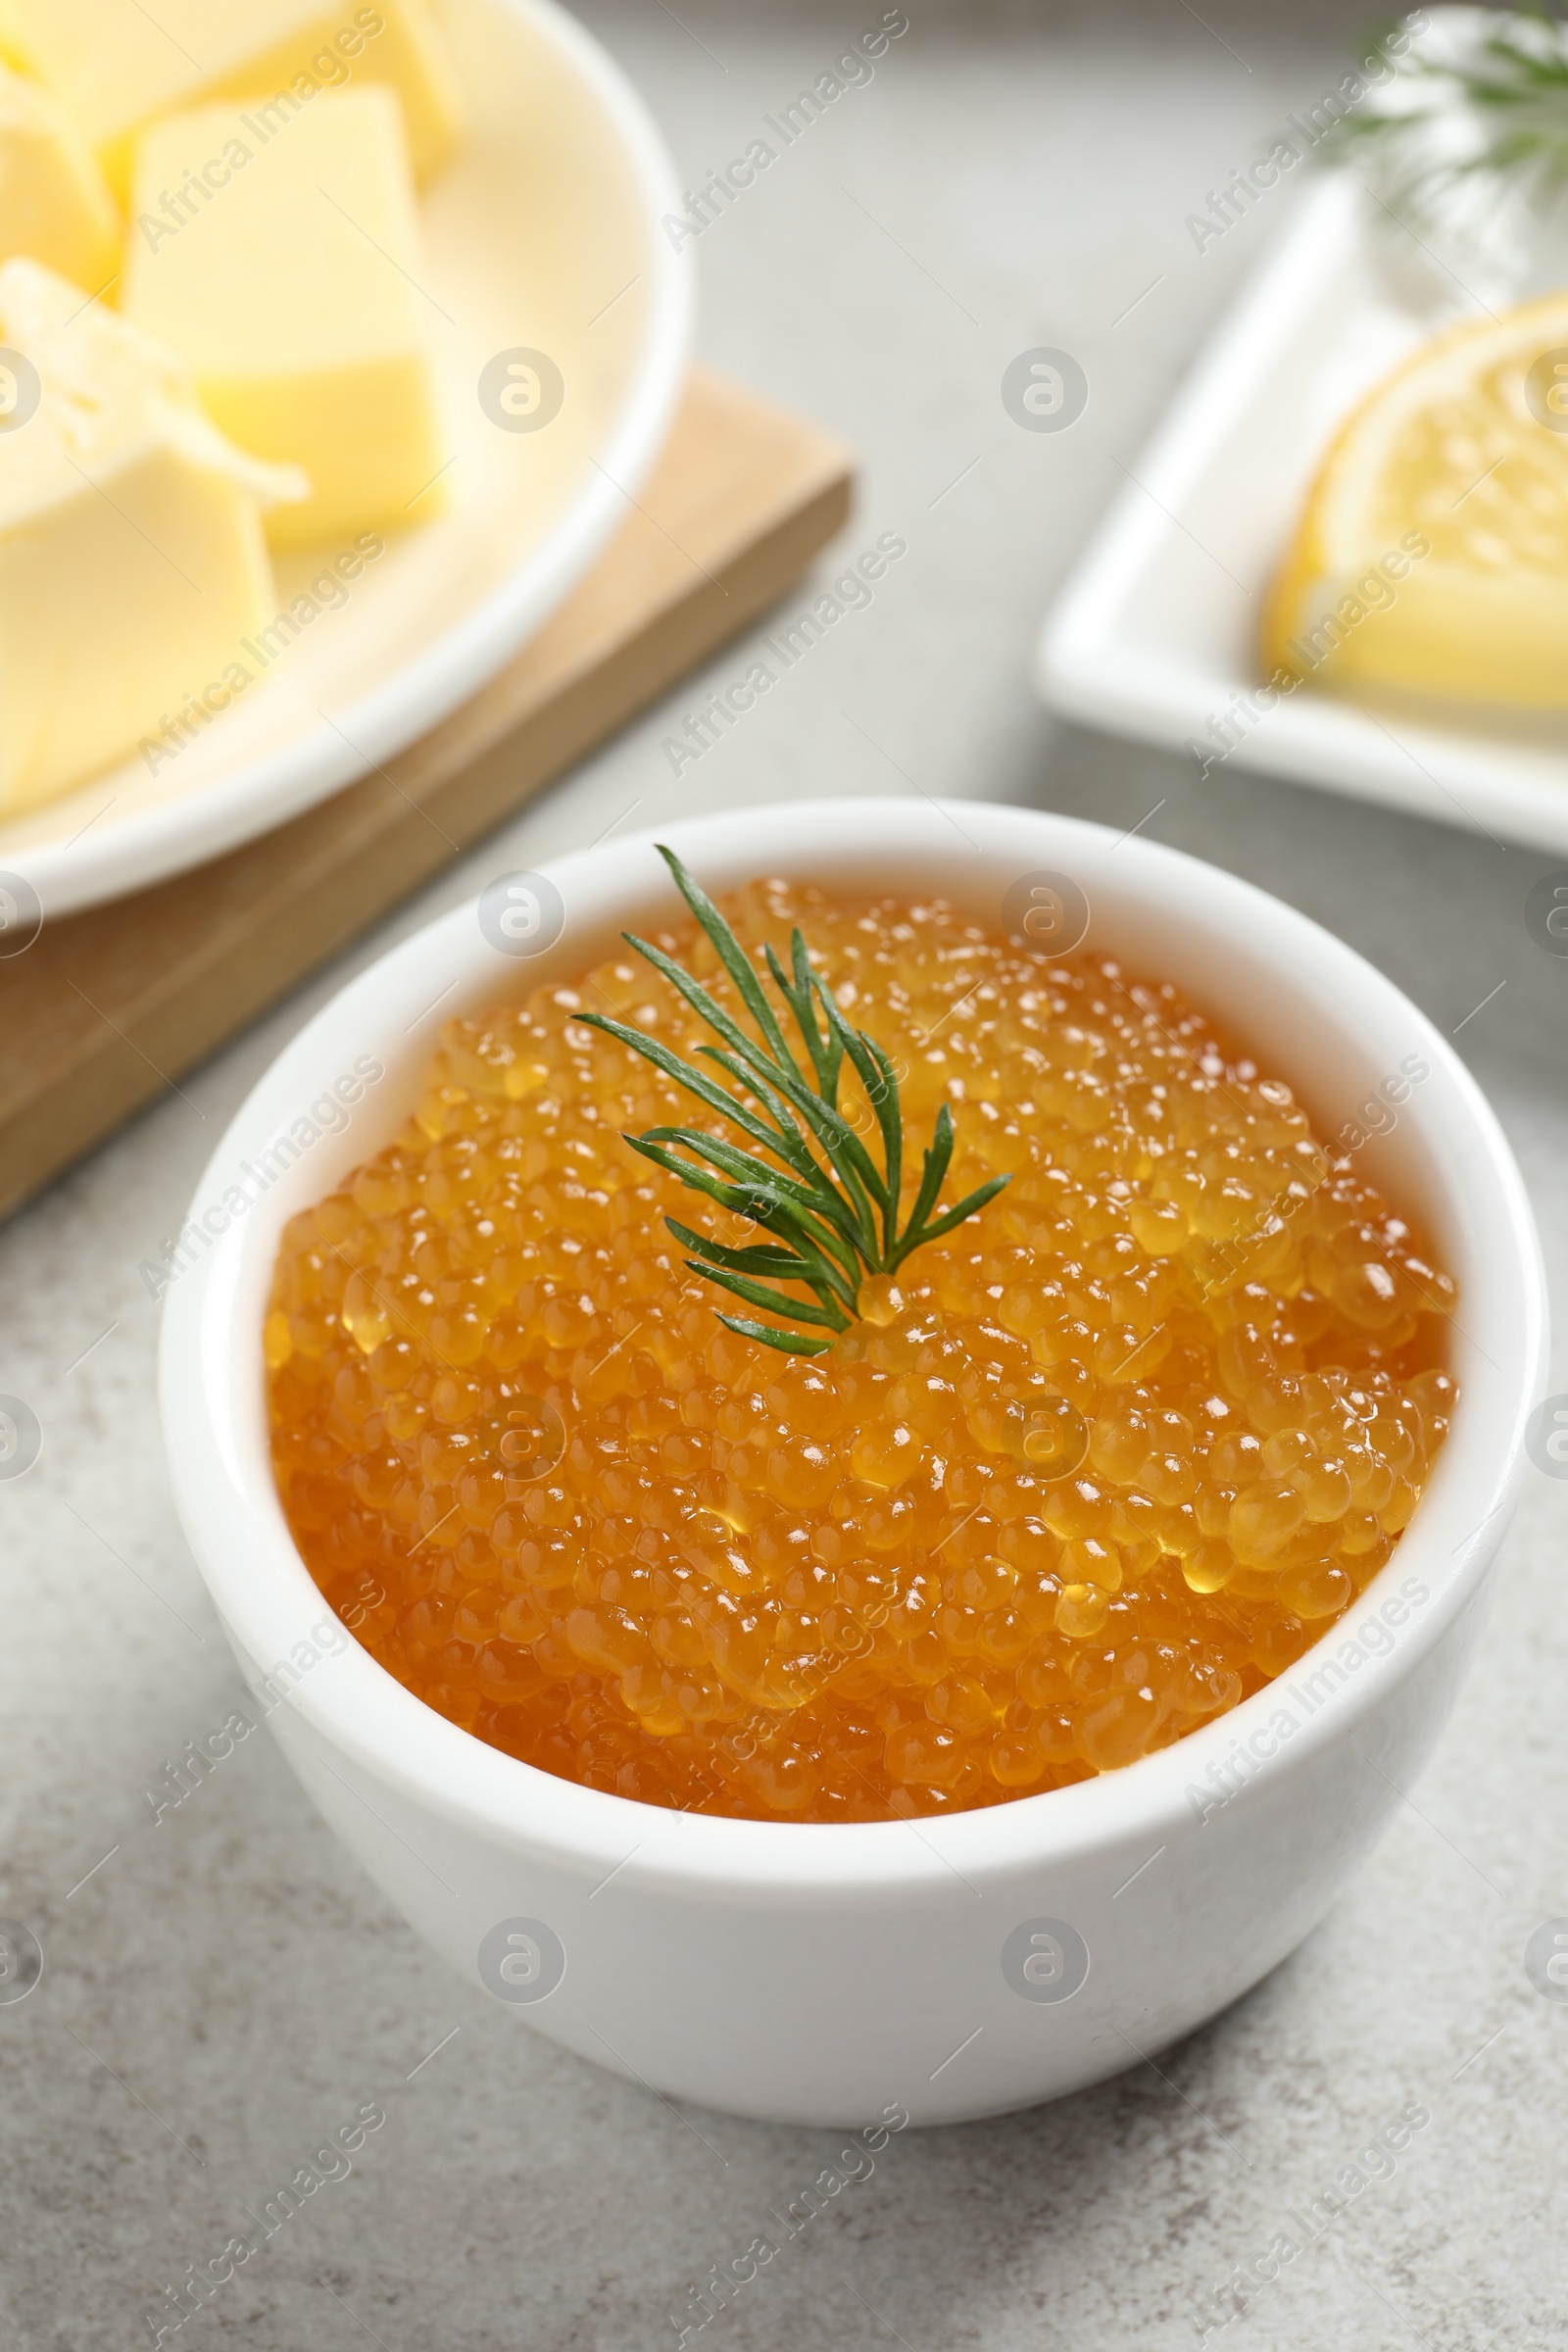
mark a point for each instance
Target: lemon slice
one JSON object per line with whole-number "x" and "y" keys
{"x": 1433, "y": 554}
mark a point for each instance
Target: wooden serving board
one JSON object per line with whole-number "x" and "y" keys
{"x": 107, "y": 1007}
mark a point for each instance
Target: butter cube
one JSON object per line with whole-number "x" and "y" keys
{"x": 133, "y": 561}
{"x": 118, "y": 64}
{"x": 284, "y": 266}
{"x": 54, "y": 205}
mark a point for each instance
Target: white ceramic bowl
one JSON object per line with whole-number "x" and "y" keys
{"x": 544, "y": 234}
{"x": 822, "y": 1972}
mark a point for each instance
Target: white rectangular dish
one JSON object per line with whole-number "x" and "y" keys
{"x": 1156, "y": 633}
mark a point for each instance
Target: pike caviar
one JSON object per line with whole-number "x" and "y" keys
{"x": 1103, "y": 1462}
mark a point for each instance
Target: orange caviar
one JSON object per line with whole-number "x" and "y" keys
{"x": 1104, "y": 1460}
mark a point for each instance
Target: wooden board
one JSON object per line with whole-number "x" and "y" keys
{"x": 108, "y": 1007}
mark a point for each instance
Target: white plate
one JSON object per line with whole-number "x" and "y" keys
{"x": 543, "y": 234}
{"x": 1156, "y": 633}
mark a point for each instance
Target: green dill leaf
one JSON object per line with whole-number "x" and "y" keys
{"x": 731, "y": 954}
{"x": 744, "y": 1171}
{"x": 890, "y": 1118}
{"x": 768, "y": 1335}
{"x": 759, "y": 1294}
{"x": 935, "y": 1168}
{"x": 740, "y": 1262}
{"x": 969, "y": 1206}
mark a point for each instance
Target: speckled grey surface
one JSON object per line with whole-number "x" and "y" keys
{"x": 225, "y": 1989}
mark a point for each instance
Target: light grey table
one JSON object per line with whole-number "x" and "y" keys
{"x": 224, "y": 1990}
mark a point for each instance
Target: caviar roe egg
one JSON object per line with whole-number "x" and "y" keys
{"x": 1095, "y": 1466}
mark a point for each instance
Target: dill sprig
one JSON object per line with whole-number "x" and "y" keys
{"x": 1475, "y": 106}
{"x": 833, "y": 1213}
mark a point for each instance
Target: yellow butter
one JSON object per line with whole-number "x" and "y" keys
{"x": 118, "y": 64}
{"x": 133, "y": 561}
{"x": 55, "y": 204}
{"x": 285, "y": 268}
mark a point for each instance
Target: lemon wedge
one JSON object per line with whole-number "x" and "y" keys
{"x": 1431, "y": 556}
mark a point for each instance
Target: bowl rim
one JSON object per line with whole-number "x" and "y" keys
{"x": 268, "y": 787}
{"x": 265, "y": 1598}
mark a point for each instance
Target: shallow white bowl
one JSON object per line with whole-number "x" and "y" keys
{"x": 542, "y": 234}
{"x": 820, "y": 1973}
